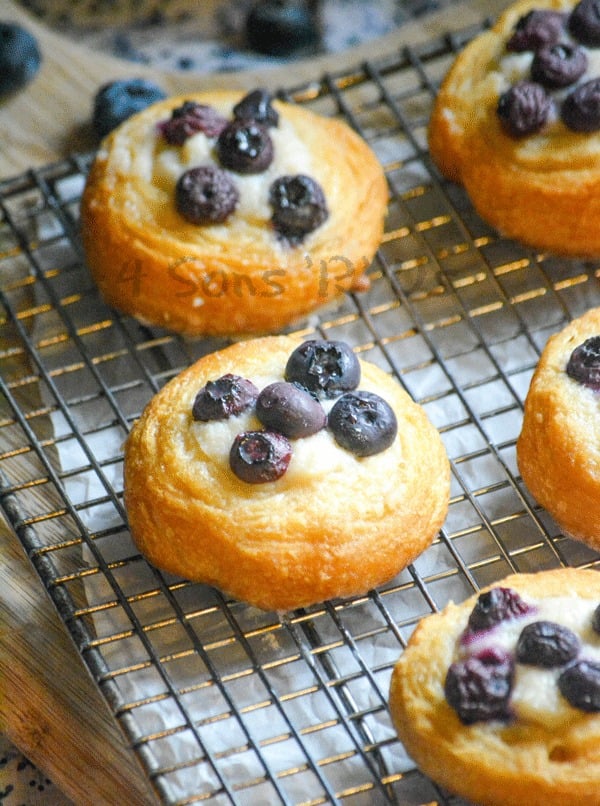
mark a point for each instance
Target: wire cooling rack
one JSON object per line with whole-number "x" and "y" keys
{"x": 221, "y": 701}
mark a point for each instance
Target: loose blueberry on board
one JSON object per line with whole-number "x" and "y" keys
{"x": 257, "y": 457}
{"x": 479, "y": 688}
{"x": 299, "y": 206}
{"x": 327, "y": 368}
{"x": 584, "y": 22}
{"x": 118, "y": 100}
{"x": 20, "y": 57}
{"x": 558, "y": 65}
{"x": 547, "y": 644}
{"x": 580, "y": 685}
{"x": 536, "y": 29}
{"x": 290, "y": 410}
{"x": 190, "y": 118}
{"x": 494, "y": 606}
{"x": 225, "y": 397}
{"x": 581, "y": 108}
{"x": 245, "y": 146}
{"x": 256, "y": 105}
{"x": 524, "y": 108}
{"x": 596, "y": 620}
{"x": 205, "y": 195}
{"x": 281, "y": 27}
{"x": 583, "y": 365}
{"x": 363, "y": 423}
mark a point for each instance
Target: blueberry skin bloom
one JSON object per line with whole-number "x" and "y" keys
{"x": 20, "y": 57}
{"x": 118, "y": 100}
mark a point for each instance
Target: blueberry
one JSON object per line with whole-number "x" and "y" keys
{"x": 363, "y": 423}
{"x": 290, "y": 410}
{"x": 299, "y": 206}
{"x": 580, "y": 685}
{"x": 256, "y": 105}
{"x": 205, "y": 195}
{"x": 479, "y": 688}
{"x": 281, "y": 27}
{"x": 536, "y": 29}
{"x": 544, "y": 643}
{"x": 581, "y": 108}
{"x": 118, "y": 100}
{"x": 245, "y": 146}
{"x": 558, "y": 65}
{"x": 327, "y": 368}
{"x": 190, "y": 118}
{"x": 584, "y": 22}
{"x": 596, "y": 620}
{"x": 226, "y": 397}
{"x": 494, "y": 606}
{"x": 257, "y": 457}
{"x": 524, "y": 108}
{"x": 583, "y": 365}
{"x": 20, "y": 57}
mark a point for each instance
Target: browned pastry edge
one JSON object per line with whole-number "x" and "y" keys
{"x": 542, "y": 192}
{"x": 248, "y": 283}
{"x": 509, "y": 766}
{"x": 289, "y": 543}
{"x": 558, "y": 449}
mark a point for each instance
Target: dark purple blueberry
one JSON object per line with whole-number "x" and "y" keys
{"x": 584, "y": 22}
{"x": 524, "y": 108}
{"x": 205, "y": 195}
{"x": 544, "y": 643}
{"x": 536, "y": 29}
{"x": 494, "y": 606}
{"x": 363, "y": 423}
{"x": 581, "y": 108}
{"x": 479, "y": 688}
{"x": 245, "y": 146}
{"x": 299, "y": 206}
{"x": 289, "y": 409}
{"x": 596, "y": 620}
{"x": 327, "y": 368}
{"x": 118, "y": 100}
{"x": 189, "y": 119}
{"x": 260, "y": 456}
{"x": 20, "y": 57}
{"x": 256, "y": 105}
{"x": 580, "y": 685}
{"x": 281, "y": 27}
{"x": 226, "y": 397}
{"x": 558, "y": 65}
{"x": 584, "y": 363}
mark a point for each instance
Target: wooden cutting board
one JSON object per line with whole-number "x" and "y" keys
{"x": 49, "y": 705}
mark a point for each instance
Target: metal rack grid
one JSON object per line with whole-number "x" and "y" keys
{"x": 222, "y": 701}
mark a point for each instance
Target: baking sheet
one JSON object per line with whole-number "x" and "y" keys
{"x": 223, "y": 701}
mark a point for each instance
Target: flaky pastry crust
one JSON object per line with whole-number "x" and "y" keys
{"x": 237, "y": 277}
{"x": 558, "y": 449}
{"x": 542, "y": 189}
{"x": 487, "y": 763}
{"x": 333, "y": 525}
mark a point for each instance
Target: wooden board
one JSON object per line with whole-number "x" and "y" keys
{"x": 49, "y": 706}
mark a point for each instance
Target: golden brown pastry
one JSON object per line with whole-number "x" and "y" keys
{"x": 219, "y": 213}
{"x": 558, "y": 449}
{"x": 237, "y": 476}
{"x": 517, "y": 123}
{"x": 498, "y": 698}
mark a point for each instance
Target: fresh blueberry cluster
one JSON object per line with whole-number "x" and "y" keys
{"x": 559, "y": 62}
{"x": 243, "y": 145}
{"x": 317, "y": 370}
{"x": 479, "y": 687}
{"x": 584, "y": 363}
